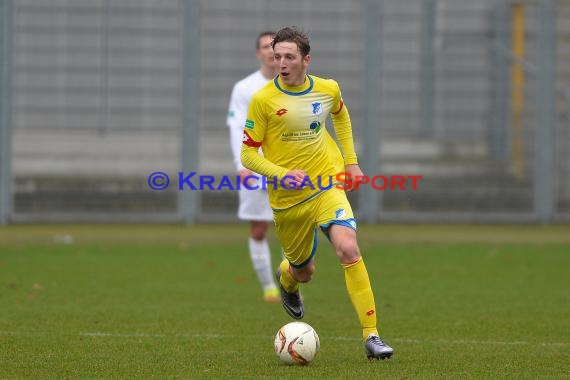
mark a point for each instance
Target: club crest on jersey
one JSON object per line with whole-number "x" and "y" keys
{"x": 340, "y": 213}
{"x": 317, "y": 109}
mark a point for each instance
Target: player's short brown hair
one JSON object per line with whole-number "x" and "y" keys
{"x": 270, "y": 33}
{"x": 292, "y": 34}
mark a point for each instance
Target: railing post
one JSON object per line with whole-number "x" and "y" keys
{"x": 546, "y": 113}
{"x": 188, "y": 200}
{"x": 370, "y": 201}
{"x": 6, "y": 196}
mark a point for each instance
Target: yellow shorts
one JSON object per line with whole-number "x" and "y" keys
{"x": 297, "y": 226}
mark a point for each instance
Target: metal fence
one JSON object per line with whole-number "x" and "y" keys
{"x": 98, "y": 94}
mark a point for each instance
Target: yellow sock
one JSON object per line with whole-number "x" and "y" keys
{"x": 360, "y": 292}
{"x": 287, "y": 280}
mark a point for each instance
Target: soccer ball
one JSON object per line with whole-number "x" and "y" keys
{"x": 296, "y": 343}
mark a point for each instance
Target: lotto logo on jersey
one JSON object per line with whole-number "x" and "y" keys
{"x": 249, "y": 124}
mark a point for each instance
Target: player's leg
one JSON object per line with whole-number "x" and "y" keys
{"x": 260, "y": 255}
{"x": 254, "y": 207}
{"x": 337, "y": 221}
{"x": 297, "y": 233}
{"x": 356, "y": 276}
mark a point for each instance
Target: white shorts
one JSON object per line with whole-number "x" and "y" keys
{"x": 254, "y": 205}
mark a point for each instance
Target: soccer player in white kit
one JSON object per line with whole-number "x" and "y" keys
{"x": 254, "y": 204}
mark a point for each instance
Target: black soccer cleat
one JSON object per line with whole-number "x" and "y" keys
{"x": 292, "y": 302}
{"x": 377, "y": 349}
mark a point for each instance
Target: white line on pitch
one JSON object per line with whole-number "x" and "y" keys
{"x": 341, "y": 338}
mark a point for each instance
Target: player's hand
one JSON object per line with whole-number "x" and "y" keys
{"x": 294, "y": 178}
{"x": 243, "y": 173}
{"x": 356, "y": 176}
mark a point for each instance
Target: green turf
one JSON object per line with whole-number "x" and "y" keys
{"x": 183, "y": 302}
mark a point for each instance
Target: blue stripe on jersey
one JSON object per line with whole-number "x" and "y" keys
{"x": 346, "y": 222}
{"x": 315, "y": 244}
{"x": 294, "y": 93}
{"x": 304, "y": 200}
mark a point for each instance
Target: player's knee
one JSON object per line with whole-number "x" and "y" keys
{"x": 258, "y": 235}
{"x": 304, "y": 274}
{"x": 258, "y": 230}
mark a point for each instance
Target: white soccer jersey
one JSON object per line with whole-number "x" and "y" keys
{"x": 241, "y": 95}
{"x": 253, "y": 204}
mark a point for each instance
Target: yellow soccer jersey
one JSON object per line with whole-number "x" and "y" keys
{"x": 288, "y": 123}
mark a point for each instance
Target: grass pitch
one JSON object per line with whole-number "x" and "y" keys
{"x": 183, "y": 302}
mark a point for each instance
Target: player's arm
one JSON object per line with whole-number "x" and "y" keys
{"x": 237, "y": 111}
{"x": 253, "y": 137}
{"x": 343, "y": 131}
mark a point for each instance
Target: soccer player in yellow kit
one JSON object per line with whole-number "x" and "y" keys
{"x": 286, "y": 118}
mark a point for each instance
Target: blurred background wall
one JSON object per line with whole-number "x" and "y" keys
{"x": 98, "y": 94}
